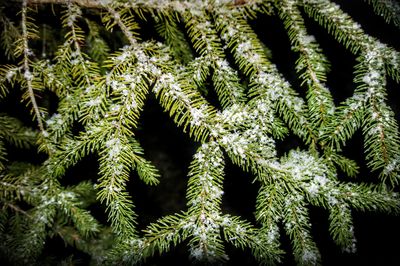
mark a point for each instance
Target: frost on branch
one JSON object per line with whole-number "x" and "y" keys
{"x": 206, "y": 66}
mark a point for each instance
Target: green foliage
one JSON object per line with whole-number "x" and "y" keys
{"x": 100, "y": 88}
{"x": 389, "y": 9}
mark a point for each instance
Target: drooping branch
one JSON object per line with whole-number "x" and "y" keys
{"x": 231, "y": 98}
{"x": 27, "y": 73}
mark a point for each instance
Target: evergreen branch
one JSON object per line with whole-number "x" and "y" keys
{"x": 312, "y": 64}
{"x": 206, "y": 42}
{"x": 204, "y": 195}
{"x": 159, "y": 236}
{"x": 114, "y": 170}
{"x": 269, "y": 206}
{"x": 70, "y": 60}
{"x": 338, "y": 23}
{"x": 265, "y": 80}
{"x": 389, "y": 9}
{"x": 206, "y": 244}
{"x": 167, "y": 27}
{"x": 27, "y": 73}
{"x": 297, "y": 226}
{"x": 85, "y": 193}
{"x": 288, "y": 105}
{"x": 8, "y": 74}
{"x": 3, "y": 154}
{"x": 341, "y": 227}
{"x": 11, "y": 187}
{"x": 267, "y": 250}
{"x": 184, "y": 104}
{"x": 13, "y": 131}
{"x": 241, "y": 234}
{"x": 392, "y": 62}
{"x": 98, "y": 49}
{"x": 8, "y": 36}
{"x": 241, "y": 117}
{"x": 127, "y": 82}
{"x": 247, "y": 144}
{"x": 72, "y": 150}
{"x": 111, "y": 188}
{"x": 129, "y": 86}
{"x": 74, "y": 103}
{"x": 310, "y": 175}
{"x": 83, "y": 221}
{"x": 268, "y": 213}
{"x": 95, "y": 102}
{"x": 368, "y": 197}
{"x": 114, "y": 176}
{"x": 368, "y": 100}
{"x": 145, "y": 169}
{"x": 47, "y": 198}
{"x": 350, "y": 33}
{"x": 42, "y": 216}
{"x": 242, "y": 40}
{"x": 79, "y": 70}
{"x": 31, "y": 243}
{"x": 382, "y": 138}
{"x": 71, "y": 74}
{"x": 348, "y": 166}
{"x": 125, "y": 23}
{"x": 287, "y": 203}
{"x": 22, "y": 182}
{"x": 205, "y": 183}
{"x": 98, "y": 109}
{"x": 198, "y": 70}
{"x": 58, "y": 125}
{"x": 57, "y": 77}
{"x": 54, "y": 77}
{"x": 348, "y": 119}
{"x": 227, "y": 84}
{"x": 251, "y": 150}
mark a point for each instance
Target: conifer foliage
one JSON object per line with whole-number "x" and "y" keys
{"x": 205, "y": 47}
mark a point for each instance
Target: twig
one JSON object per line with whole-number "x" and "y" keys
{"x": 27, "y": 74}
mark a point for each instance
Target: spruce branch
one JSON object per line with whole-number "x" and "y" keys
{"x": 126, "y": 24}
{"x": 48, "y": 199}
{"x": 389, "y": 9}
{"x": 9, "y": 35}
{"x": 8, "y": 74}
{"x": 167, "y": 26}
{"x": 265, "y": 80}
{"x": 98, "y": 48}
{"x": 26, "y": 52}
{"x": 207, "y": 44}
{"x": 380, "y": 138}
{"x": 204, "y": 199}
{"x": 77, "y": 37}
{"x": 312, "y": 64}
{"x": 298, "y": 228}
{"x": 350, "y": 33}
{"x": 215, "y": 79}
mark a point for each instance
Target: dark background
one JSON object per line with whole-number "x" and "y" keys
{"x": 171, "y": 151}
